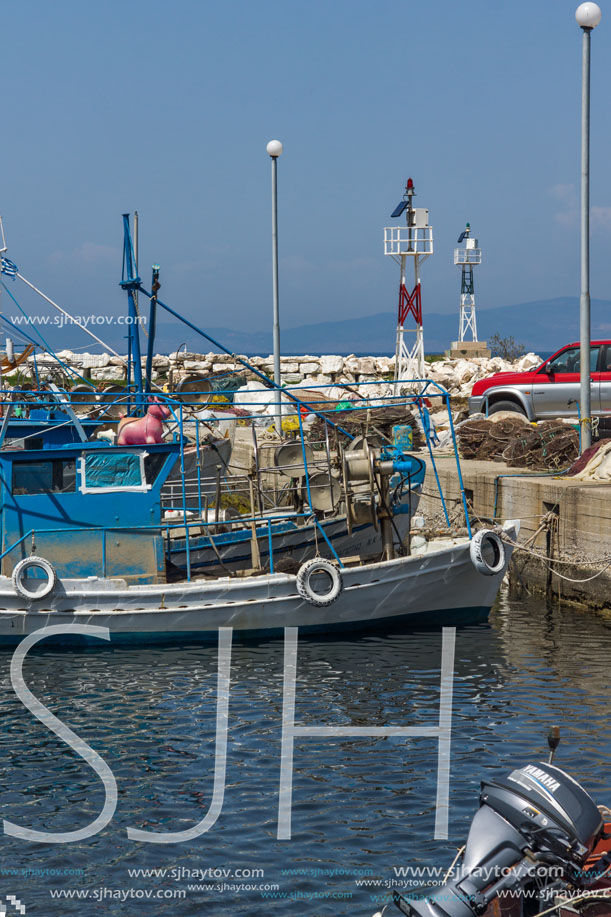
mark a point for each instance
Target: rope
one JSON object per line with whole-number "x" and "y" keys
{"x": 567, "y": 901}
{"x": 67, "y": 314}
{"x": 546, "y": 560}
{"x": 35, "y": 329}
{"x": 461, "y": 850}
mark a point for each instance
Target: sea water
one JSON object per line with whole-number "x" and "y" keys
{"x": 363, "y": 809}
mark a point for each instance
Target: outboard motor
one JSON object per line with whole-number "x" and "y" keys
{"x": 534, "y": 830}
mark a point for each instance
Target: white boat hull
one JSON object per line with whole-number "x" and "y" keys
{"x": 441, "y": 586}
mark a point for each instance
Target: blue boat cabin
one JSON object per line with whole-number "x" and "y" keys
{"x": 90, "y": 509}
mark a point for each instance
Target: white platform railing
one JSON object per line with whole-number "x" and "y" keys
{"x": 408, "y": 240}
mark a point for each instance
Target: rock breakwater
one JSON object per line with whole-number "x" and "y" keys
{"x": 456, "y": 375}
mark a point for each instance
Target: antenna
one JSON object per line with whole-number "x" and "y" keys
{"x": 553, "y": 740}
{"x": 414, "y": 240}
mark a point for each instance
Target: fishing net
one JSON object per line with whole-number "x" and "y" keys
{"x": 473, "y": 439}
{"x": 551, "y": 445}
{"x": 375, "y": 423}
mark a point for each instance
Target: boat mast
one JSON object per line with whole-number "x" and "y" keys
{"x": 130, "y": 282}
{"x": 155, "y": 285}
{"x": 2, "y": 251}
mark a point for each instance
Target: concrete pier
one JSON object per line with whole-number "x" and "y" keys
{"x": 577, "y": 526}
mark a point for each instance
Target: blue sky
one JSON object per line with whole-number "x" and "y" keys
{"x": 116, "y": 106}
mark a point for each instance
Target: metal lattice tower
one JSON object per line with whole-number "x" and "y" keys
{"x": 415, "y": 240}
{"x": 467, "y": 257}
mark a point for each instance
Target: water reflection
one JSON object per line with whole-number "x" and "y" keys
{"x": 358, "y": 803}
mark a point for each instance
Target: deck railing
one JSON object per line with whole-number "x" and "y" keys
{"x": 165, "y": 529}
{"x": 199, "y": 488}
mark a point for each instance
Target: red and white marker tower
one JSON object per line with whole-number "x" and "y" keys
{"x": 415, "y": 240}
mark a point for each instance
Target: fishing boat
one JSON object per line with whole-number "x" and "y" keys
{"x": 83, "y": 542}
{"x": 86, "y": 535}
{"x": 200, "y": 488}
{"x": 60, "y": 407}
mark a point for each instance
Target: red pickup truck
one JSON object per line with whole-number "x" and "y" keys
{"x": 549, "y": 390}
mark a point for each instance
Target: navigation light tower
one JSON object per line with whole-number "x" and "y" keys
{"x": 414, "y": 240}
{"x": 467, "y": 255}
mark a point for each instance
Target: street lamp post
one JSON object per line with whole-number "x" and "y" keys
{"x": 274, "y": 149}
{"x": 588, "y": 16}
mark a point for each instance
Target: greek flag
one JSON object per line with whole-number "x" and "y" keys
{"x": 9, "y": 268}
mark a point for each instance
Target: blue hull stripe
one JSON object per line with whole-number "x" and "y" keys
{"x": 430, "y": 620}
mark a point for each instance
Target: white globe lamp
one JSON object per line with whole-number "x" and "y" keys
{"x": 588, "y": 15}
{"x": 275, "y": 148}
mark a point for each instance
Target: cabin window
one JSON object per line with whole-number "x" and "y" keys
{"x": 153, "y": 463}
{"x": 112, "y": 472}
{"x": 54, "y": 476}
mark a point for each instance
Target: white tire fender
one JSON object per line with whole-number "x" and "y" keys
{"x": 488, "y": 541}
{"x": 304, "y": 582}
{"x": 20, "y": 574}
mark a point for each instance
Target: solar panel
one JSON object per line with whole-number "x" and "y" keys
{"x": 461, "y": 237}
{"x": 399, "y": 209}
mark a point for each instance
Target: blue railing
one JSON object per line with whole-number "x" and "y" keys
{"x": 427, "y": 389}
{"x": 167, "y": 527}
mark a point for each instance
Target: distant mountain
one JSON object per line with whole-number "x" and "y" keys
{"x": 543, "y": 325}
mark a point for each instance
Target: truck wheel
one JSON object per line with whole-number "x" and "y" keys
{"x": 506, "y": 406}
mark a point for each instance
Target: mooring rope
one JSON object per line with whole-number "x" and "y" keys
{"x": 606, "y": 559}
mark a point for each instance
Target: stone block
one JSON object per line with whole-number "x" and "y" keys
{"x": 465, "y": 350}
{"x": 367, "y": 366}
{"x": 196, "y": 366}
{"x": 104, "y": 374}
{"x": 95, "y": 360}
{"x": 331, "y": 363}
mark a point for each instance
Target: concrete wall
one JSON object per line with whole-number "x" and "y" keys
{"x": 582, "y": 532}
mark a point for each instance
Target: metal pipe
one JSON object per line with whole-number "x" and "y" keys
{"x": 249, "y": 366}
{"x": 584, "y": 300}
{"x": 385, "y": 520}
{"x": 184, "y": 497}
{"x": 523, "y": 474}
{"x": 270, "y": 545}
{"x": 152, "y": 329}
{"x": 217, "y": 508}
{"x": 277, "y": 376}
{"x": 254, "y": 544}
{"x": 458, "y": 469}
{"x": 136, "y": 251}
